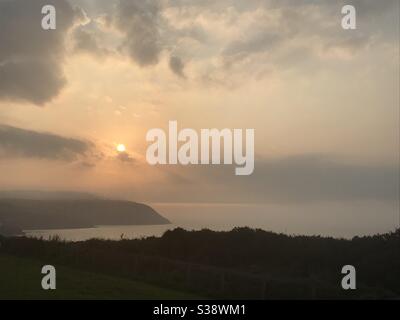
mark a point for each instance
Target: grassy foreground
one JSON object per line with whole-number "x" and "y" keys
{"x": 21, "y": 279}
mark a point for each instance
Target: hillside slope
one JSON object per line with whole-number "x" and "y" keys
{"x": 21, "y": 279}
{"x": 64, "y": 214}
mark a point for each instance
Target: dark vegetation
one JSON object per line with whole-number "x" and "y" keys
{"x": 24, "y": 214}
{"x": 20, "y": 278}
{"x": 242, "y": 263}
{"x": 9, "y": 230}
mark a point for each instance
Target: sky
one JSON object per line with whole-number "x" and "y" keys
{"x": 324, "y": 102}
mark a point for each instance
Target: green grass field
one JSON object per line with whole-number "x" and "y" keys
{"x": 21, "y": 279}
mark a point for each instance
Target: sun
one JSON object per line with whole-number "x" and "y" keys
{"x": 121, "y": 148}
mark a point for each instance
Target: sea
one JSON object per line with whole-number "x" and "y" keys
{"x": 339, "y": 220}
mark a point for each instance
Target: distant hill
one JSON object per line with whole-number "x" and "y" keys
{"x": 28, "y": 214}
{"x": 10, "y": 230}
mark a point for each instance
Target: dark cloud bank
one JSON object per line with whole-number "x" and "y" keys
{"x": 139, "y": 20}
{"x": 294, "y": 179}
{"x": 16, "y": 142}
{"x": 31, "y": 58}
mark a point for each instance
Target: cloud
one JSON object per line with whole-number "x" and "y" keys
{"x": 320, "y": 178}
{"x": 224, "y": 40}
{"x": 125, "y": 157}
{"x": 87, "y": 42}
{"x": 139, "y": 21}
{"x": 30, "y": 57}
{"x": 287, "y": 28}
{"x": 36, "y": 81}
{"x": 231, "y": 38}
{"x": 295, "y": 179}
{"x": 177, "y": 66}
{"x": 16, "y": 142}
{"x": 239, "y": 49}
{"x": 252, "y": 38}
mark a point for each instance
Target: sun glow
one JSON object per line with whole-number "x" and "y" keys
{"x": 121, "y": 148}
